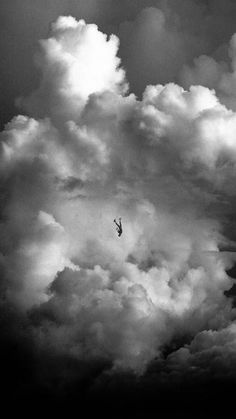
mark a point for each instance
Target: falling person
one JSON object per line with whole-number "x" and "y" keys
{"x": 118, "y": 227}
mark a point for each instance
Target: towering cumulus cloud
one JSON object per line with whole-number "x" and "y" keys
{"x": 85, "y": 152}
{"x": 76, "y": 61}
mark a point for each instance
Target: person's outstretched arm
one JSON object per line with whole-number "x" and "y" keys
{"x": 116, "y": 223}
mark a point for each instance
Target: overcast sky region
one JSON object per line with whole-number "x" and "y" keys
{"x": 118, "y": 108}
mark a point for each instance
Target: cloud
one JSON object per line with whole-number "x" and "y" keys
{"x": 89, "y": 152}
{"x": 154, "y": 46}
{"x": 76, "y": 61}
{"x": 162, "y": 34}
{"x": 216, "y": 74}
{"x": 210, "y": 354}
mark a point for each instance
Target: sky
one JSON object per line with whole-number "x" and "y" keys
{"x": 118, "y": 109}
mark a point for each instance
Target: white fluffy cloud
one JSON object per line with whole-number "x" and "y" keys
{"x": 166, "y": 164}
{"x": 213, "y": 73}
{"x": 76, "y": 61}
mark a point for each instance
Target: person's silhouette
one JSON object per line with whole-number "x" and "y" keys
{"x": 118, "y": 227}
